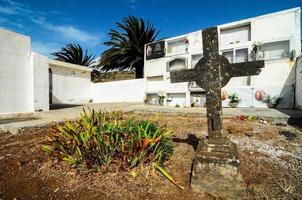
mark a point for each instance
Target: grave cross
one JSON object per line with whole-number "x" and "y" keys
{"x": 211, "y": 73}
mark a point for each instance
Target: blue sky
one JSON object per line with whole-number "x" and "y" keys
{"x": 52, "y": 24}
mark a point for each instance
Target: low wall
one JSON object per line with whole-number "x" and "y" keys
{"x": 119, "y": 91}
{"x": 71, "y": 83}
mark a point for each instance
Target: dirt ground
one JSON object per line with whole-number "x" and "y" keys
{"x": 270, "y": 156}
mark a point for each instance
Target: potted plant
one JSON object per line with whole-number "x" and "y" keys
{"x": 195, "y": 103}
{"x": 271, "y": 102}
{"x": 161, "y": 99}
{"x": 234, "y": 100}
{"x": 255, "y": 50}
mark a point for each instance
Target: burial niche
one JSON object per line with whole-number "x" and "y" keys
{"x": 177, "y": 64}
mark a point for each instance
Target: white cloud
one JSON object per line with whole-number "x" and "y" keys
{"x": 15, "y": 8}
{"x": 60, "y": 34}
{"x": 69, "y": 32}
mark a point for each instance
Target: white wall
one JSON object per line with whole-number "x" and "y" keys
{"x": 154, "y": 86}
{"x": 174, "y": 99}
{"x": 247, "y": 96}
{"x": 16, "y": 83}
{"x": 275, "y": 26}
{"x": 70, "y": 86}
{"x": 40, "y": 82}
{"x": 155, "y": 67}
{"x": 119, "y": 91}
{"x": 299, "y": 83}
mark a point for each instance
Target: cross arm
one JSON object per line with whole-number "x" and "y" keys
{"x": 185, "y": 75}
{"x": 245, "y": 68}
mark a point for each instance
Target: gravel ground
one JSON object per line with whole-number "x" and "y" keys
{"x": 270, "y": 158}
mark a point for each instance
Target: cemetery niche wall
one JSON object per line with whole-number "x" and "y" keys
{"x": 280, "y": 39}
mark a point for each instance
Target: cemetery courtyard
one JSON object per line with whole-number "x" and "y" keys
{"x": 270, "y": 153}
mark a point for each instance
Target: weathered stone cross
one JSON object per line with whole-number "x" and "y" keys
{"x": 211, "y": 73}
{"x": 216, "y": 165}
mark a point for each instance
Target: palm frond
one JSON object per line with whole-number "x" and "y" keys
{"x": 73, "y": 53}
{"x": 126, "y": 45}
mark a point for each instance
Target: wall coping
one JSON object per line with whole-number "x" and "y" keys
{"x": 60, "y": 64}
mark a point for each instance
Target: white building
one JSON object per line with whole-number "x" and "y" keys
{"x": 279, "y": 34}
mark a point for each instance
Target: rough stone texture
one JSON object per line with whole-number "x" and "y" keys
{"x": 216, "y": 169}
{"x": 211, "y": 73}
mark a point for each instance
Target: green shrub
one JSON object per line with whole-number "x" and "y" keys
{"x": 100, "y": 138}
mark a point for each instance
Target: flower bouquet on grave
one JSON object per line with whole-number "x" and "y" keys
{"x": 234, "y": 100}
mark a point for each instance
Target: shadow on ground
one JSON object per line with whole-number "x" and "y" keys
{"x": 62, "y": 106}
{"x": 191, "y": 140}
{"x": 294, "y": 117}
{"x": 17, "y": 119}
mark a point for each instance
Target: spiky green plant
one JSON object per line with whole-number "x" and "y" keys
{"x": 98, "y": 138}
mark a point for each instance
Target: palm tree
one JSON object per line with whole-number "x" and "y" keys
{"x": 127, "y": 45}
{"x": 73, "y": 53}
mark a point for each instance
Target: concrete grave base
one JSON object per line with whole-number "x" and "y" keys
{"x": 216, "y": 169}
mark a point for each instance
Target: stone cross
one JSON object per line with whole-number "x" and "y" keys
{"x": 211, "y": 73}
{"x": 216, "y": 167}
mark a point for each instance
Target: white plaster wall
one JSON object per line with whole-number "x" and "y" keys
{"x": 195, "y": 39}
{"x": 16, "y": 73}
{"x": 119, "y": 91}
{"x": 40, "y": 82}
{"x": 155, "y": 67}
{"x": 70, "y": 86}
{"x": 275, "y": 73}
{"x": 299, "y": 83}
{"x": 273, "y": 27}
{"x": 244, "y": 92}
{"x": 237, "y": 82}
{"x": 155, "y": 86}
{"x": 176, "y": 99}
{"x": 176, "y": 87}
{"x": 247, "y": 95}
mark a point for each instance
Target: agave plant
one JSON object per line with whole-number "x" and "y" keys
{"x": 73, "y": 53}
{"x": 127, "y": 45}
